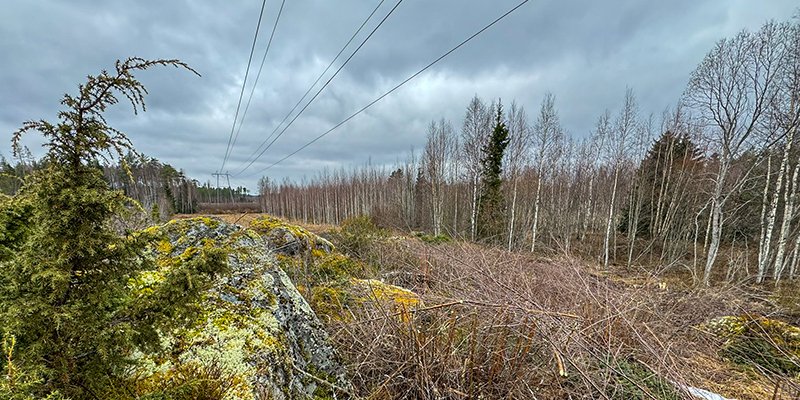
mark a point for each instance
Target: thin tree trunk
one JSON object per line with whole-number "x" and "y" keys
{"x": 474, "y": 214}
{"x": 716, "y": 235}
{"x": 766, "y": 240}
{"x": 537, "y": 200}
{"x": 610, "y": 220}
{"x": 764, "y": 203}
{"x": 788, "y": 198}
{"x": 588, "y": 215}
{"x": 513, "y": 214}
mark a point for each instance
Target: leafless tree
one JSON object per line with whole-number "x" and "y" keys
{"x": 474, "y": 135}
{"x": 436, "y": 161}
{"x": 517, "y": 158}
{"x": 732, "y": 89}
{"x": 547, "y": 131}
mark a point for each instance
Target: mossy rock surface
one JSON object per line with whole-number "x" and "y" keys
{"x": 339, "y": 299}
{"x": 254, "y": 329}
{"x": 288, "y": 239}
{"x": 767, "y": 345}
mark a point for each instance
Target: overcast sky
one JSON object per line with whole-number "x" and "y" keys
{"x": 584, "y": 52}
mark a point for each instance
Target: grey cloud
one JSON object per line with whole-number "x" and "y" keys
{"x": 585, "y": 52}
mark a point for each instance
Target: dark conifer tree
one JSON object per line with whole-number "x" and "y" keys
{"x": 65, "y": 297}
{"x": 666, "y": 161}
{"x": 491, "y": 210}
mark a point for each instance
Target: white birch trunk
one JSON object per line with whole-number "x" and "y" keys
{"x": 513, "y": 214}
{"x": 766, "y": 244}
{"x": 764, "y": 203}
{"x": 610, "y": 220}
{"x": 536, "y": 202}
{"x": 789, "y": 198}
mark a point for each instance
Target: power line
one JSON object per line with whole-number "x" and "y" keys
{"x": 465, "y": 41}
{"x": 333, "y": 61}
{"x": 299, "y": 113}
{"x": 246, "y": 72}
{"x": 255, "y": 83}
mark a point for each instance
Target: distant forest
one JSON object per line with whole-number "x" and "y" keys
{"x": 160, "y": 188}
{"x": 710, "y": 185}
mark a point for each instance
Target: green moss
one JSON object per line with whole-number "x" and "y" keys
{"x": 380, "y": 291}
{"x": 331, "y": 300}
{"x": 336, "y": 266}
{"x": 767, "y": 345}
{"x": 433, "y": 239}
{"x": 634, "y": 381}
{"x": 267, "y": 224}
{"x": 164, "y": 247}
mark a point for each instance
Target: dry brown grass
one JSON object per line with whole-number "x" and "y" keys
{"x": 507, "y": 325}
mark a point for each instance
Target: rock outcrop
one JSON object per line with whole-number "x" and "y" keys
{"x": 769, "y": 346}
{"x": 255, "y": 330}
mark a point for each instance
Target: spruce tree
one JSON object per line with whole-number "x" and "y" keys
{"x": 491, "y": 210}
{"x": 660, "y": 170}
{"x": 65, "y": 271}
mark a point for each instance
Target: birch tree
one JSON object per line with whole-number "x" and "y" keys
{"x": 474, "y": 136}
{"x": 785, "y": 116}
{"x": 546, "y": 131}
{"x": 731, "y": 90}
{"x": 517, "y": 158}
{"x": 617, "y": 139}
{"x": 436, "y": 161}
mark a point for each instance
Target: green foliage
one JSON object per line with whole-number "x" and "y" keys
{"x": 670, "y": 163}
{"x": 11, "y": 176}
{"x": 65, "y": 290}
{"x": 767, "y": 345}
{"x": 357, "y": 235}
{"x": 187, "y": 381}
{"x": 16, "y": 383}
{"x": 491, "y": 214}
{"x": 635, "y": 381}
{"x": 433, "y": 239}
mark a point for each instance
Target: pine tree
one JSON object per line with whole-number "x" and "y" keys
{"x": 491, "y": 212}
{"x": 64, "y": 270}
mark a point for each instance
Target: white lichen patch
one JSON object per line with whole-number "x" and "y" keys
{"x": 255, "y": 330}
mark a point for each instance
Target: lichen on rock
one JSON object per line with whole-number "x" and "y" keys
{"x": 340, "y": 299}
{"x": 767, "y": 345}
{"x": 288, "y": 239}
{"x": 254, "y": 327}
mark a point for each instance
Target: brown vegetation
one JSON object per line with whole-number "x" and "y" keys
{"x": 496, "y": 324}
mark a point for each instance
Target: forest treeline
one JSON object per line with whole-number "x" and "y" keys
{"x": 709, "y": 185}
{"x": 160, "y": 189}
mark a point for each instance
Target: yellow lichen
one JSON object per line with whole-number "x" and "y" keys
{"x": 164, "y": 246}
{"x": 384, "y": 291}
{"x": 401, "y": 301}
{"x": 330, "y": 301}
{"x": 766, "y": 344}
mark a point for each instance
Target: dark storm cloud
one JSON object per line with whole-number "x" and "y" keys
{"x": 585, "y": 52}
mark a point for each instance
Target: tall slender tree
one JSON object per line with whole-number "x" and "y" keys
{"x": 491, "y": 223}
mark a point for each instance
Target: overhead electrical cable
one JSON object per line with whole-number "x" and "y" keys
{"x": 299, "y": 113}
{"x": 244, "y": 83}
{"x": 301, "y": 148}
{"x": 352, "y": 37}
{"x": 258, "y": 75}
